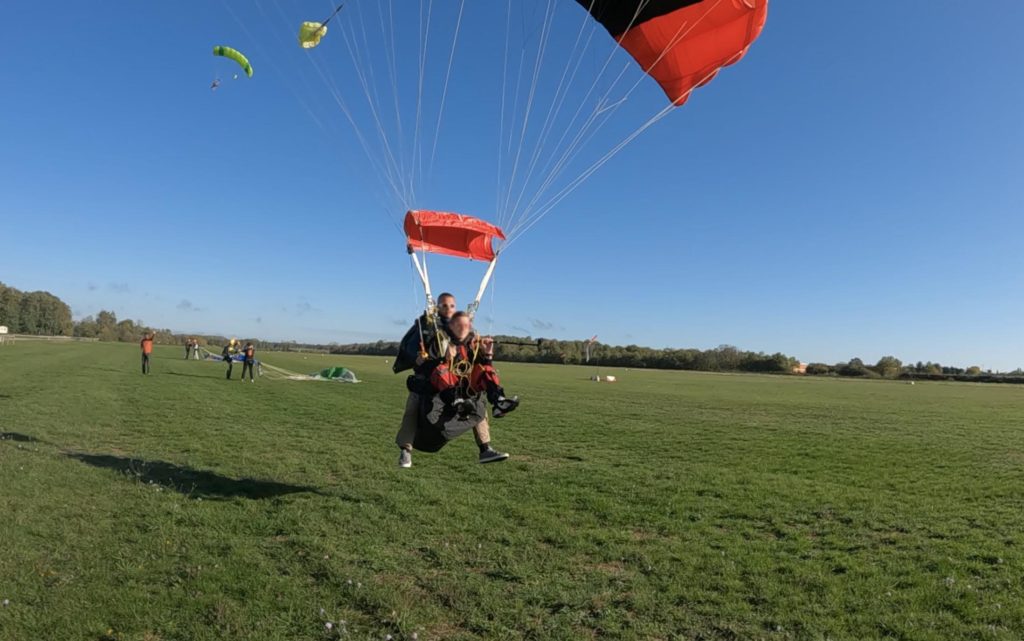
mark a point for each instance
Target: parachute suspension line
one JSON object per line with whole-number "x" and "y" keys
{"x": 581, "y": 137}
{"x": 444, "y": 93}
{"x": 529, "y": 218}
{"x": 349, "y": 37}
{"x": 299, "y": 95}
{"x": 511, "y": 132}
{"x": 417, "y": 160}
{"x": 555, "y": 200}
{"x": 545, "y": 36}
{"x": 575, "y": 183}
{"x": 380, "y": 165}
{"x": 501, "y": 116}
{"x": 391, "y": 55}
{"x": 395, "y": 142}
{"x": 380, "y": 168}
{"x": 559, "y": 100}
{"x": 508, "y": 217}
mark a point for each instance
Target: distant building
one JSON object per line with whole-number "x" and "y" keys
{"x": 800, "y": 368}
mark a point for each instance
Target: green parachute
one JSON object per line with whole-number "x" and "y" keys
{"x": 237, "y": 56}
{"x": 339, "y": 374}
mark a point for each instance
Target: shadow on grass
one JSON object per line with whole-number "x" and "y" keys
{"x": 21, "y": 438}
{"x": 217, "y": 374}
{"x": 192, "y": 483}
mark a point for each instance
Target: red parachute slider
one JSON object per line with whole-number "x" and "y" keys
{"x": 457, "y": 235}
{"x": 682, "y": 44}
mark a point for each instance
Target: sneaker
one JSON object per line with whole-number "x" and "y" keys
{"x": 491, "y": 455}
{"x": 405, "y": 458}
{"x": 504, "y": 405}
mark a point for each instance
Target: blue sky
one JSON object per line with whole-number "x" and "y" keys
{"x": 851, "y": 188}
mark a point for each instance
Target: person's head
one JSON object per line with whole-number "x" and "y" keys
{"x": 446, "y": 305}
{"x": 460, "y": 325}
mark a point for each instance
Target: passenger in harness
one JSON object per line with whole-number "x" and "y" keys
{"x": 467, "y": 371}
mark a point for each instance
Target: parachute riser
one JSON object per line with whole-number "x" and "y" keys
{"x": 425, "y": 279}
{"x": 475, "y": 305}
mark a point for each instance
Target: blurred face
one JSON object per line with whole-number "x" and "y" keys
{"x": 446, "y": 306}
{"x": 460, "y": 327}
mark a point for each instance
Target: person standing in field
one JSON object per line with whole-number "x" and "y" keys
{"x": 226, "y": 355}
{"x": 147, "y": 349}
{"x": 249, "y": 354}
{"x": 195, "y": 349}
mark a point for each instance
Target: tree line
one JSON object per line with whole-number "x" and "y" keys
{"x": 39, "y": 313}
{"x": 42, "y": 313}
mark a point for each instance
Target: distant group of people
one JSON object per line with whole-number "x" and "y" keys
{"x": 233, "y": 347}
{"x": 248, "y": 358}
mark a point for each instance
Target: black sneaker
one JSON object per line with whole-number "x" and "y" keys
{"x": 491, "y": 455}
{"x": 504, "y": 405}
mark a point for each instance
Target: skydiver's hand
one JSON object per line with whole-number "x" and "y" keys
{"x": 451, "y": 353}
{"x": 488, "y": 344}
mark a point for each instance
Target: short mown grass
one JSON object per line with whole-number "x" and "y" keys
{"x": 669, "y": 505}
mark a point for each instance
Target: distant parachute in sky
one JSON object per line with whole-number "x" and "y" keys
{"x": 310, "y": 33}
{"x": 237, "y": 56}
{"x": 682, "y": 44}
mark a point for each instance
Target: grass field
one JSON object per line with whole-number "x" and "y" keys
{"x": 669, "y": 505}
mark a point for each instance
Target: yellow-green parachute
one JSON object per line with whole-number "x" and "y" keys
{"x": 310, "y": 34}
{"x": 234, "y": 54}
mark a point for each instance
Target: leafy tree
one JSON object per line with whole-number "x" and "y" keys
{"x": 888, "y": 366}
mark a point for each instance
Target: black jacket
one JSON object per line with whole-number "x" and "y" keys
{"x": 409, "y": 346}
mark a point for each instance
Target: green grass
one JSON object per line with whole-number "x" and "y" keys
{"x": 669, "y": 505}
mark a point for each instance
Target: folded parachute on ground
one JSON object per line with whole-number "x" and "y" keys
{"x": 682, "y": 44}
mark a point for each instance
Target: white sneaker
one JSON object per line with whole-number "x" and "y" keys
{"x": 405, "y": 458}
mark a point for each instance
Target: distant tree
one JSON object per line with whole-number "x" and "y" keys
{"x": 820, "y": 369}
{"x": 106, "y": 325}
{"x": 974, "y": 370}
{"x": 10, "y": 308}
{"x": 888, "y": 366}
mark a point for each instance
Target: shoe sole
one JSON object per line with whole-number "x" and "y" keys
{"x": 494, "y": 459}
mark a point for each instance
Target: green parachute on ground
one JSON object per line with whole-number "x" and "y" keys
{"x": 337, "y": 374}
{"x": 236, "y": 55}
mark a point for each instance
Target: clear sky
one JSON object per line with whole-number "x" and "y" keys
{"x": 852, "y": 188}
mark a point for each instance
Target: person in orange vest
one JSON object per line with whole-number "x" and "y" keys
{"x": 147, "y": 348}
{"x": 249, "y": 353}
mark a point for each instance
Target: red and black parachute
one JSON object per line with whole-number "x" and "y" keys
{"x": 681, "y": 43}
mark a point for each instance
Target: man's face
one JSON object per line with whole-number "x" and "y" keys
{"x": 460, "y": 327}
{"x": 446, "y": 307}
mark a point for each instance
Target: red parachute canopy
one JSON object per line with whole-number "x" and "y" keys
{"x": 452, "y": 234}
{"x": 682, "y": 43}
